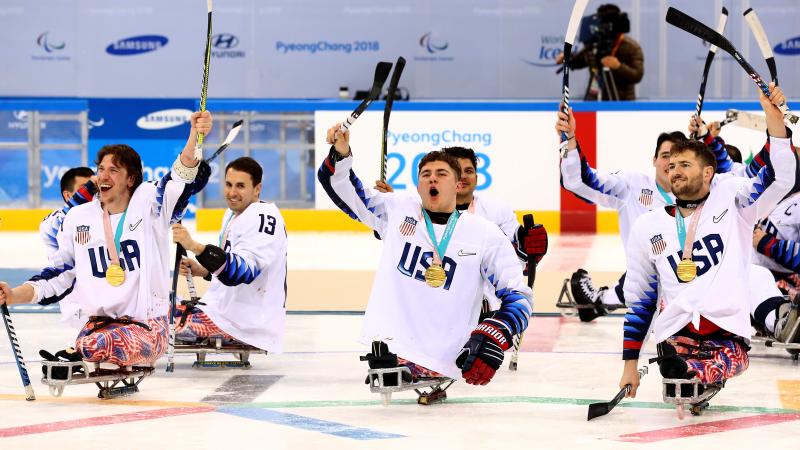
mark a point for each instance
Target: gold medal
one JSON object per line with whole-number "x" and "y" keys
{"x": 687, "y": 270}
{"x": 115, "y": 275}
{"x": 435, "y": 276}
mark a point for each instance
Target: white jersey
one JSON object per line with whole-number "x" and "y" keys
{"x": 721, "y": 251}
{"x": 429, "y": 326}
{"x": 503, "y": 216}
{"x": 247, "y": 295}
{"x": 48, "y": 231}
{"x": 782, "y": 252}
{"x": 630, "y": 193}
{"x": 79, "y": 265}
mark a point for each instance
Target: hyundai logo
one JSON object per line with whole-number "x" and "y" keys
{"x": 224, "y": 41}
{"x": 137, "y": 45}
{"x": 427, "y": 43}
{"x": 789, "y": 47}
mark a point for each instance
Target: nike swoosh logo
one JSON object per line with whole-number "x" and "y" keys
{"x": 717, "y": 219}
{"x": 463, "y": 253}
{"x": 134, "y": 225}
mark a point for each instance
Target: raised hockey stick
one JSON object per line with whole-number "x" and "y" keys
{"x": 198, "y": 148}
{"x": 751, "y": 18}
{"x": 601, "y": 409}
{"x": 381, "y": 74}
{"x": 691, "y": 25}
{"x": 180, "y": 252}
{"x": 527, "y": 222}
{"x": 12, "y": 337}
{"x": 569, "y": 38}
{"x": 387, "y": 110}
{"x": 723, "y": 19}
{"x": 237, "y": 126}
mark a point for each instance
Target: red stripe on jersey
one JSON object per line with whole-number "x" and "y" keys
{"x": 329, "y": 165}
{"x": 632, "y": 345}
{"x": 770, "y": 246}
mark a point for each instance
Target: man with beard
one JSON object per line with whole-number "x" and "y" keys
{"x": 427, "y": 293}
{"x": 697, "y": 273}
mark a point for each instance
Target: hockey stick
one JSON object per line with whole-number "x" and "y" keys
{"x": 381, "y": 74}
{"x": 723, "y": 19}
{"x": 751, "y": 18}
{"x": 569, "y": 38}
{"x": 745, "y": 119}
{"x": 198, "y": 148}
{"x": 237, "y": 126}
{"x": 180, "y": 252}
{"x": 527, "y": 222}
{"x": 387, "y": 110}
{"x": 601, "y": 409}
{"x": 690, "y": 25}
{"x": 12, "y": 337}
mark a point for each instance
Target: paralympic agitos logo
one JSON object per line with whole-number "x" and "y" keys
{"x": 789, "y": 47}
{"x": 137, "y": 45}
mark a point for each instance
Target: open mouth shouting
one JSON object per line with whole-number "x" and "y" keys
{"x": 104, "y": 187}
{"x": 434, "y": 192}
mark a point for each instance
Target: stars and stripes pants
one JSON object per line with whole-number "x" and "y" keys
{"x": 712, "y": 360}
{"x": 123, "y": 344}
{"x": 199, "y": 325}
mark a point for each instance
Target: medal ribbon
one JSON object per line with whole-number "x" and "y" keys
{"x": 113, "y": 251}
{"x": 440, "y": 247}
{"x": 687, "y": 239}
{"x": 664, "y": 194}
{"x": 223, "y": 235}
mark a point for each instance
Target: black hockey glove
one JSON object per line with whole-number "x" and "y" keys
{"x": 482, "y": 355}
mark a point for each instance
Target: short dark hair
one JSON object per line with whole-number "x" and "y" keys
{"x": 608, "y": 8}
{"x": 248, "y": 165}
{"x": 125, "y": 156}
{"x": 462, "y": 152}
{"x": 68, "y": 179}
{"x": 440, "y": 155}
{"x": 700, "y": 150}
{"x": 734, "y": 153}
{"x": 673, "y": 137}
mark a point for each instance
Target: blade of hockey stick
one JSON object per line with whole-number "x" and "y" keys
{"x": 693, "y": 26}
{"x": 387, "y": 110}
{"x": 751, "y": 18}
{"x": 381, "y": 74}
{"x": 237, "y": 126}
{"x": 601, "y": 409}
{"x": 723, "y": 19}
{"x": 572, "y": 28}
{"x": 198, "y": 148}
{"x": 15, "y": 348}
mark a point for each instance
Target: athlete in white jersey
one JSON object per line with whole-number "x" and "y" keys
{"x": 113, "y": 254}
{"x": 694, "y": 258}
{"x": 630, "y": 193}
{"x": 78, "y": 186}
{"x": 525, "y": 242}
{"x": 428, "y": 288}
{"x": 247, "y": 296}
{"x": 777, "y": 250}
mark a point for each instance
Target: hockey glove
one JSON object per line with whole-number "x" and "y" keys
{"x": 533, "y": 242}
{"x": 482, "y": 355}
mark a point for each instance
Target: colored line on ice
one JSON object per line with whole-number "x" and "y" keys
{"x": 101, "y": 420}
{"x": 98, "y": 401}
{"x": 715, "y": 426}
{"x": 789, "y": 392}
{"x": 307, "y": 423}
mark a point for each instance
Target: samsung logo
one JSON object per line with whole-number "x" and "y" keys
{"x": 136, "y": 45}
{"x": 166, "y": 118}
{"x": 789, "y": 47}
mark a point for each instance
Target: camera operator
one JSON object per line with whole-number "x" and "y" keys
{"x": 615, "y": 61}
